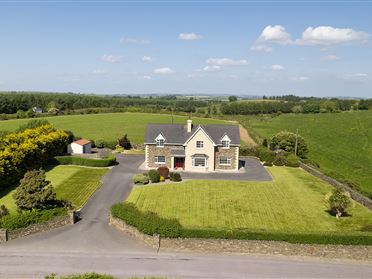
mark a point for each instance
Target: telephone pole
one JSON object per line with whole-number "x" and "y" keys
{"x": 296, "y": 144}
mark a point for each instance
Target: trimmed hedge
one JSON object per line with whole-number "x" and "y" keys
{"x": 175, "y": 177}
{"x": 27, "y": 218}
{"x": 150, "y": 223}
{"x": 140, "y": 179}
{"x": 154, "y": 176}
{"x": 80, "y": 161}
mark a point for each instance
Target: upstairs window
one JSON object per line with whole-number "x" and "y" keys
{"x": 226, "y": 144}
{"x": 160, "y": 143}
{"x": 199, "y": 144}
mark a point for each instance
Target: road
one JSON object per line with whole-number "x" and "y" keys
{"x": 92, "y": 245}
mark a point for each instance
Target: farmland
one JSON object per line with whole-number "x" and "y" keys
{"x": 109, "y": 126}
{"x": 72, "y": 183}
{"x": 293, "y": 202}
{"x": 341, "y": 143}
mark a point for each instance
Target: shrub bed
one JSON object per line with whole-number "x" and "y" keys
{"x": 73, "y": 160}
{"x": 175, "y": 177}
{"x": 154, "y": 176}
{"x": 140, "y": 179}
{"x": 27, "y": 218}
{"x": 150, "y": 223}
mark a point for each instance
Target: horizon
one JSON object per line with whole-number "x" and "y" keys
{"x": 218, "y": 48}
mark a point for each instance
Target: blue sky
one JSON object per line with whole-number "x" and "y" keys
{"x": 318, "y": 49}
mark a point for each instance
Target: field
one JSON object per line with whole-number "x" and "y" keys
{"x": 339, "y": 142}
{"x": 72, "y": 183}
{"x": 109, "y": 126}
{"x": 293, "y": 202}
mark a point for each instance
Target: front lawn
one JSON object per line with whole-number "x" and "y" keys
{"x": 293, "y": 202}
{"x": 72, "y": 183}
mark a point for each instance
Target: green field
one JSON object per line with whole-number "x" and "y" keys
{"x": 72, "y": 183}
{"x": 293, "y": 202}
{"x": 339, "y": 142}
{"x": 109, "y": 126}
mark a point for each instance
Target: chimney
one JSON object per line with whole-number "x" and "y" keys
{"x": 189, "y": 125}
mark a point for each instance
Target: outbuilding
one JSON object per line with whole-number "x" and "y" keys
{"x": 81, "y": 146}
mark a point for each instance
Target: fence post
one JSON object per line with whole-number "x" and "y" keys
{"x": 3, "y": 235}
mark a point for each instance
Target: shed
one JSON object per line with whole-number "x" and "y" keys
{"x": 81, "y": 146}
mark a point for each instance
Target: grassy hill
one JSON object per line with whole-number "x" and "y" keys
{"x": 340, "y": 142}
{"x": 109, "y": 126}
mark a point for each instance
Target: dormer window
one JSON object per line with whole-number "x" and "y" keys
{"x": 160, "y": 140}
{"x": 225, "y": 142}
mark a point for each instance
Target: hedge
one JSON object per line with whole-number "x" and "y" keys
{"x": 150, "y": 223}
{"x": 80, "y": 161}
{"x": 26, "y": 218}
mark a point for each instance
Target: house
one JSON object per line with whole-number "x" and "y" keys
{"x": 192, "y": 148}
{"x": 81, "y": 146}
{"x": 37, "y": 110}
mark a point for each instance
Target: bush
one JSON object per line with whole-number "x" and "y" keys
{"x": 292, "y": 161}
{"x": 162, "y": 179}
{"x": 82, "y": 276}
{"x": 265, "y": 154}
{"x": 248, "y": 151}
{"x": 287, "y": 141}
{"x": 80, "y": 161}
{"x": 154, "y": 176}
{"x": 280, "y": 160}
{"x": 175, "y": 176}
{"x": 26, "y": 218}
{"x": 125, "y": 142}
{"x": 339, "y": 201}
{"x": 32, "y": 124}
{"x": 3, "y": 211}
{"x": 150, "y": 223}
{"x": 163, "y": 171}
{"x": 268, "y": 164}
{"x": 110, "y": 144}
{"x": 140, "y": 179}
{"x": 99, "y": 143}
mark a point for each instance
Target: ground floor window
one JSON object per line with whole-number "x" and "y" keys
{"x": 199, "y": 162}
{"x": 224, "y": 161}
{"x": 160, "y": 160}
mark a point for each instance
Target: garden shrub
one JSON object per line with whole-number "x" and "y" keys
{"x": 150, "y": 223}
{"x": 110, "y": 144}
{"x": 163, "y": 171}
{"x": 125, "y": 142}
{"x": 292, "y": 161}
{"x": 26, "y": 218}
{"x": 3, "y": 211}
{"x": 89, "y": 162}
{"x": 99, "y": 143}
{"x": 140, "y": 179}
{"x": 339, "y": 201}
{"x": 265, "y": 154}
{"x": 92, "y": 275}
{"x": 280, "y": 160}
{"x": 248, "y": 151}
{"x": 287, "y": 141}
{"x": 176, "y": 177}
{"x": 162, "y": 179}
{"x": 154, "y": 176}
{"x": 268, "y": 164}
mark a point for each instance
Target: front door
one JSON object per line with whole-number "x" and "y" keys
{"x": 179, "y": 162}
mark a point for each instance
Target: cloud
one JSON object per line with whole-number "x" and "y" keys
{"x": 226, "y": 62}
{"x": 99, "y": 72}
{"x": 111, "y": 58}
{"x": 210, "y": 68}
{"x": 330, "y": 58}
{"x": 360, "y": 75}
{"x": 133, "y": 41}
{"x": 274, "y": 34}
{"x": 328, "y": 35}
{"x": 261, "y": 48}
{"x": 300, "y": 78}
{"x": 189, "y": 36}
{"x": 146, "y": 77}
{"x": 277, "y": 67}
{"x": 146, "y": 58}
{"x": 163, "y": 71}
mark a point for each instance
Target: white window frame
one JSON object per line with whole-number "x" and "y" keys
{"x": 200, "y": 166}
{"x": 160, "y": 142}
{"x": 201, "y": 144}
{"x": 226, "y": 144}
{"x": 156, "y": 160}
{"x": 228, "y": 161}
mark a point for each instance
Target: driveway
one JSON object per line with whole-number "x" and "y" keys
{"x": 252, "y": 171}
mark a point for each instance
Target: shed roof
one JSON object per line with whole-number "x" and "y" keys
{"x": 82, "y": 142}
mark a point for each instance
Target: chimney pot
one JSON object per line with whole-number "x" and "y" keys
{"x": 189, "y": 125}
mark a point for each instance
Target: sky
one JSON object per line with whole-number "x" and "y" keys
{"x": 312, "y": 48}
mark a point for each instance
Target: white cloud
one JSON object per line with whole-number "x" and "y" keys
{"x": 328, "y": 35}
{"x": 300, "y": 78}
{"x": 146, "y": 58}
{"x": 211, "y": 68}
{"x": 134, "y": 41}
{"x": 330, "y": 58}
{"x": 274, "y": 34}
{"x": 146, "y": 77}
{"x": 99, "y": 72}
{"x": 277, "y": 67}
{"x": 360, "y": 75}
{"x": 163, "y": 71}
{"x": 189, "y": 36}
{"x": 111, "y": 58}
{"x": 261, "y": 48}
{"x": 226, "y": 62}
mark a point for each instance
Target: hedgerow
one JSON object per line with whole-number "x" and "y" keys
{"x": 80, "y": 161}
{"x": 150, "y": 223}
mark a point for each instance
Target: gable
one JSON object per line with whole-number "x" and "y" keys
{"x": 200, "y": 132}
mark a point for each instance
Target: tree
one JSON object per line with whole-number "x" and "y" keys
{"x": 339, "y": 201}
{"x": 287, "y": 141}
{"x": 34, "y": 191}
{"x": 233, "y": 98}
{"x": 3, "y": 211}
{"x": 125, "y": 142}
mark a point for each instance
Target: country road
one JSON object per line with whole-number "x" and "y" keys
{"x": 92, "y": 245}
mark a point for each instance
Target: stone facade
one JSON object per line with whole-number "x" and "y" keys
{"x": 231, "y": 153}
{"x": 153, "y": 151}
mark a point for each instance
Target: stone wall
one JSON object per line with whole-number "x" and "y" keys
{"x": 56, "y": 222}
{"x": 229, "y": 153}
{"x": 354, "y": 195}
{"x": 236, "y": 246}
{"x": 153, "y": 151}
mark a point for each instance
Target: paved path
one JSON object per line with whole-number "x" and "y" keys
{"x": 91, "y": 245}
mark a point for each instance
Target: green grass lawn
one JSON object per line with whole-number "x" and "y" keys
{"x": 293, "y": 202}
{"x": 109, "y": 126}
{"x": 339, "y": 142}
{"x": 72, "y": 183}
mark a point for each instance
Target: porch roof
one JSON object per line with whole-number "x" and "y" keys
{"x": 178, "y": 153}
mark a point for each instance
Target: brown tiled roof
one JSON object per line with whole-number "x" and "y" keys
{"x": 82, "y": 142}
